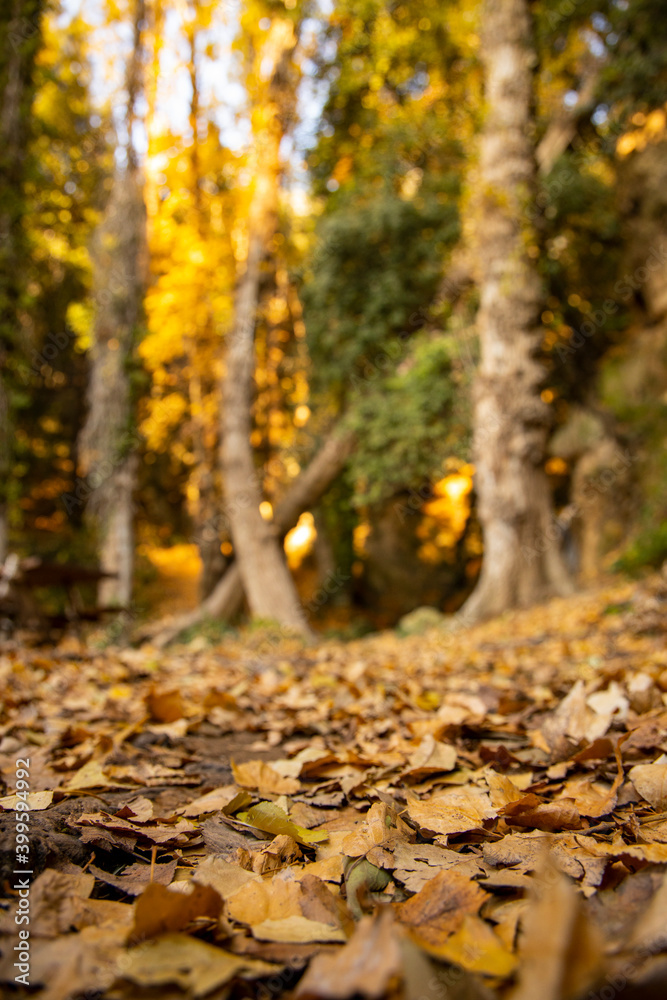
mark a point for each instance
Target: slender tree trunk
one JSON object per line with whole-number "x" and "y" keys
{"x": 226, "y": 599}
{"x": 267, "y": 581}
{"x": 522, "y": 562}
{"x": 108, "y": 439}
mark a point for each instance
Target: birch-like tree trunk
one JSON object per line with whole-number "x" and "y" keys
{"x": 226, "y": 599}
{"x": 267, "y": 581}
{"x": 108, "y": 440}
{"x": 522, "y": 562}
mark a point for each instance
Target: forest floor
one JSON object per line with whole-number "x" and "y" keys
{"x": 464, "y": 814}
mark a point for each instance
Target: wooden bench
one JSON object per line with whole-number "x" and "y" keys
{"x": 20, "y": 579}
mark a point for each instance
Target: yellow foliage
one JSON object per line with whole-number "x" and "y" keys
{"x": 300, "y": 540}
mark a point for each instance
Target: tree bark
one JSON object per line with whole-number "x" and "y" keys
{"x": 108, "y": 440}
{"x": 20, "y": 38}
{"x": 227, "y": 597}
{"x": 521, "y": 562}
{"x": 267, "y": 581}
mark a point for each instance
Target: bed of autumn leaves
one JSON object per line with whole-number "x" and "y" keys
{"x": 478, "y": 813}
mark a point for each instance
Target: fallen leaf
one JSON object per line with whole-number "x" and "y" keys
{"x": 134, "y": 879}
{"x": 560, "y": 951}
{"x": 475, "y": 947}
{"x": 224, "y": 877}
{"x": 215, "y": 801}
{"x": 187, "y": 962}
{"x": 439, "y": 908}
{"x": 259, "y": 775}
{"x": 165, "y": 706}
{"x": 650, "y": 780}
{"x": 369, "y": 965}
{"x": 35, "y": 801}
{"x": 159, "y": 910}
{"x": 297, "y": 929}
{"x": 430, "y": 757}
{"x": 270, "y": 818}
{"x": 591, "y": 798}
{"x": 453, "y": 811}
{"x": 532, "y": 812}
{"x": 502, "y": 789}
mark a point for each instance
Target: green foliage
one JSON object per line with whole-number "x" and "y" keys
{"x": 649, "y": 550}
{"x": 372, "y": 281}
{"x": 632, "y": 386}
{"x": 407, "y": 421}
{"x": 211, "y": 630}
{"x": 67, "y": 163}
{"x": 581, "y": 232}
{"x": 635, "y": 76}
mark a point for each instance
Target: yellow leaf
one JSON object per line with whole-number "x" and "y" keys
{"x": 477, "y": 948}
{"x": 270, "y": 818}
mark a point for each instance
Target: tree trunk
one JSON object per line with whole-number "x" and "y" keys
{"x": 522, "y": 562}
{"x": 267, "y": 581}
{"x": 20, "y": 38}
{"x": 108, "y": 440}
{"x": 227, "y": 597}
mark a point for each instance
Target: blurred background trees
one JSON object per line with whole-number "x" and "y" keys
{"x": 364, "y": 318}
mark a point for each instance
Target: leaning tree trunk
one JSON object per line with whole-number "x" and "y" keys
{"x": 267, "y": 581}
{"x": 226, "y": 599}
{"x": 108, "y": 443}
{"x": 521, "y": 562}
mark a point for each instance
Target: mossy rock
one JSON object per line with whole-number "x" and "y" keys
{"x": 420, "y": 620}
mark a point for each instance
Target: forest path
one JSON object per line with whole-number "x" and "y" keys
{"x": 481, "y": 810}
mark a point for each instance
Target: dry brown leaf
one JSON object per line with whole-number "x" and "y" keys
{"x": 308, "y": 762}
{"x": 476, "y": 947}
{"x": 560, "y": 951}
{"x": 502, "y": 789}
{"x": 135, "y": 878}
{"x": 71, "y": 964}
{"x": 165, "y": 706}
{"x": 655, "y": 853}
{"x": 591, "y": 798}
{"x": 283, "y": 896}
{"x": 370, "y": 965}
{"x": 259, "y": 775}
{"x": 439, "y": 908}
{"x": 454, "y": 811}
{"x": 139, "y": 810}
{"x": 35, "y": 801}
{"x": 430, "y": 757}
{"x": 195, "y": 966}
{"x": 282, "y": 851}
{"x": 159, "y": 910}
{"x": 224, "y": 877}
{"x": 57, "y": 902}
{"x": 213, "y": 801}
{"x": 378, "y": 827}
{"x": 531, "y": 811}
{"x": 91, "y": 775}
{"x": 650, "y": 780}
{"x": 650, "y": 932}
{"x": 297, "y": 929}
